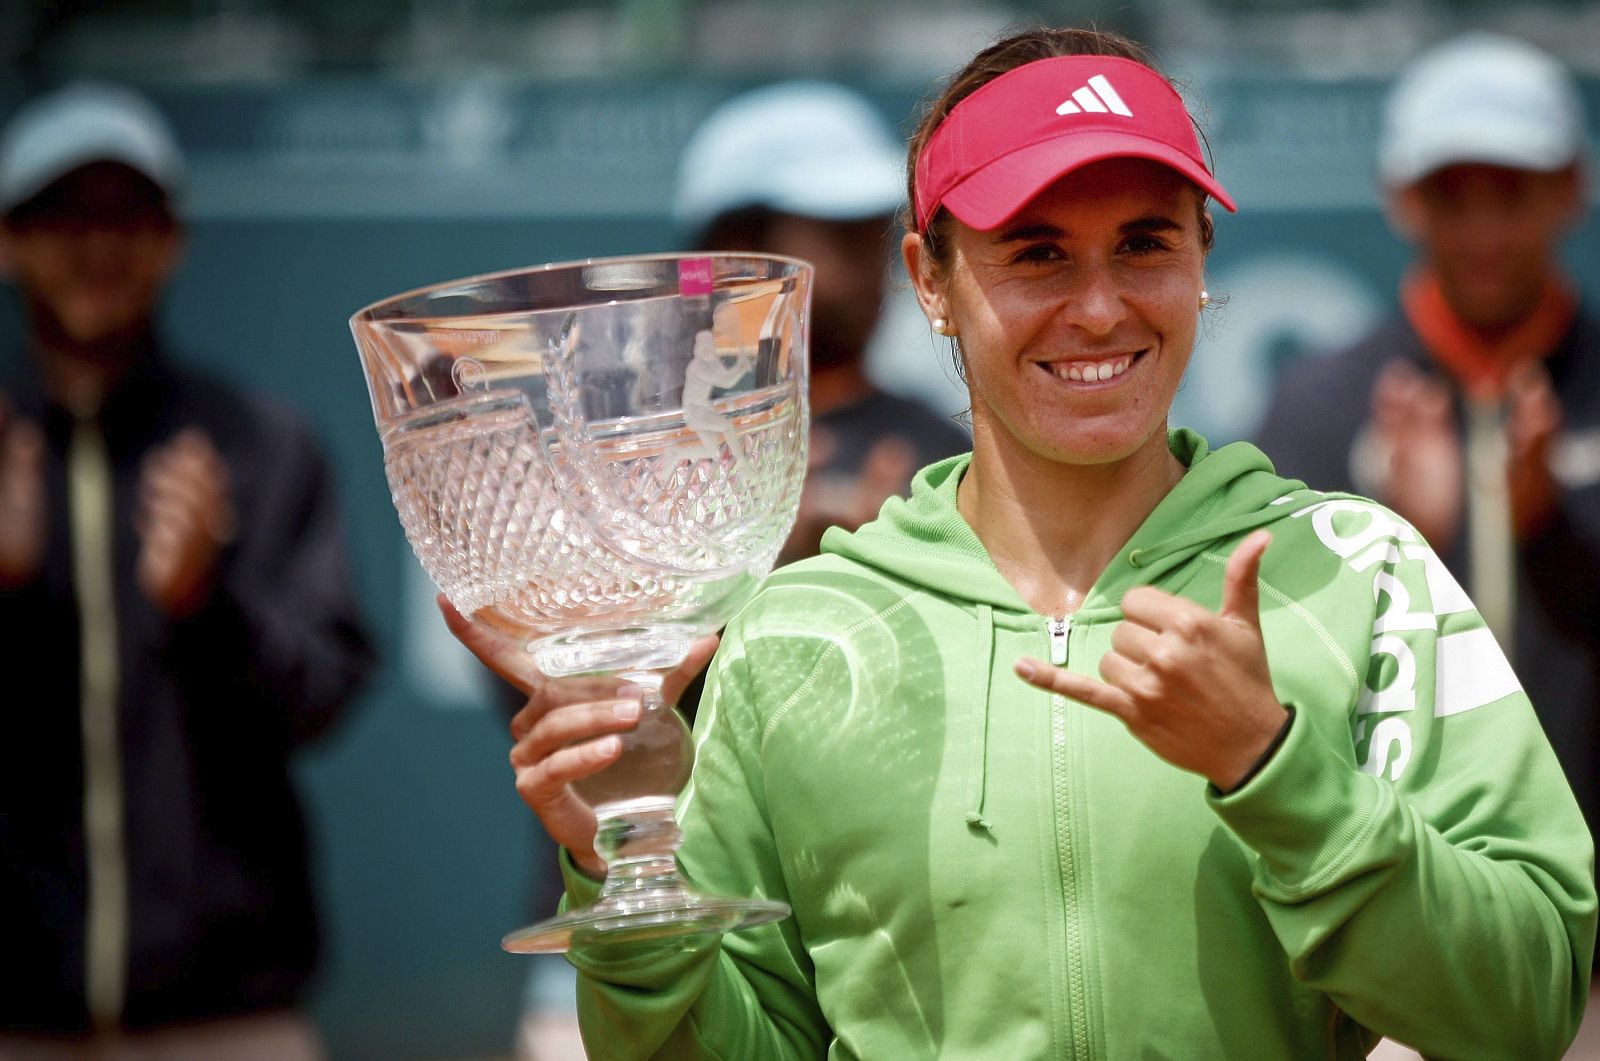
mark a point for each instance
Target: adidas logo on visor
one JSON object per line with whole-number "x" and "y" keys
{"x": 1097, "y": 97}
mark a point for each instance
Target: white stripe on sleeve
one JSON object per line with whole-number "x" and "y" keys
{"x": 1470, "y": 671}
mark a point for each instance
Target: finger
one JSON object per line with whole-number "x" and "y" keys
{"x": 177, "y": 482}
{"x": 1163, "y": 612}
{"x": 1434, "y": 404}
{"x": 174, "y": 516}
{"x": 1535, "y": 411}
{"x": 1074, "y": 686}
{"x": 544, "y": 782}
{"x": 1528, "y": 381}
{"x": 171, "y": 535}
{"x": 553, "y": 693}
{"x": 22, "y": 468}
{"x": 194, "y": 447}
{"x": 1135, "y": 641}
{"x": 572, "y": 724}
{"x": 1138, "y": 683}
{"x": 1241, "y": 595}
{"x": 678, "y": 679}
{"x": 161, "y": 521}
{"x": 156, "y": 568}
{"x": 191, "y": 459}
{"x": 1393, "y": 393}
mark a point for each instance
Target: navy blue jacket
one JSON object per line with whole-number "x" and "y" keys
{"x": 210, "y": 709}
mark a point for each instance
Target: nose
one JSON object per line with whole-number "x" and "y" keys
{"x": 101, "y": 249}
{"x": 1094, "y": 302}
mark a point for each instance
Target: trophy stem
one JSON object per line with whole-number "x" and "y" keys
{"x": 644, "y": 896}
{"x": 638, "y": 840}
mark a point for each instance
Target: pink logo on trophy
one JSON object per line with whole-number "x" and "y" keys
{"x": 694, "y": 277}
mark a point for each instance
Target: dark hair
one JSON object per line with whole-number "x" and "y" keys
{"x": 1002, "y": 57}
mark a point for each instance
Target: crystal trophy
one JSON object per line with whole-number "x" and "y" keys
{"x": 601, "y": 459}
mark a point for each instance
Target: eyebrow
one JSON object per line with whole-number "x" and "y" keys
{"x": 1138, "y": 226}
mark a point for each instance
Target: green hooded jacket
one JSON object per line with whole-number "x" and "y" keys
{"x": 979, "y": 869}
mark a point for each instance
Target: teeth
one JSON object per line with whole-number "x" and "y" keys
{"x": 1091, "y": 371}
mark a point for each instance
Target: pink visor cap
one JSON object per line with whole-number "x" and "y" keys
{"x": 1017, "y": 135}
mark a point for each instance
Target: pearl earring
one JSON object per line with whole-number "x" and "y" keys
{"x": 943, "y": 326}
{"x": 1205, "y": 299}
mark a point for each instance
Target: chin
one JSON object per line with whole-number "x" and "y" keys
{"x": 1096, "y": 448}
{"x": 1088, "y": 451}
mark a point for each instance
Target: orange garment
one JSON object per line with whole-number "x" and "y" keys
{"x": 1481, "y": 366}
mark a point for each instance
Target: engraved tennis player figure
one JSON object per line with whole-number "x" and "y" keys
{"x": 707, "y": 370}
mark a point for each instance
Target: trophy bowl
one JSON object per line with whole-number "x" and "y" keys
{"x": 601, "y": 459}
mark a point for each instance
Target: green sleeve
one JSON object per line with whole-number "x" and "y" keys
{"x": 1416, "y": 847}
{"x": 750, "y": 994}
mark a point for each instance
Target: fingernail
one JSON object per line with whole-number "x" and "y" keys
{"x": 1023, "y": 668}
{"x": 608, "y": 746}
{"x": 625, "y": 710}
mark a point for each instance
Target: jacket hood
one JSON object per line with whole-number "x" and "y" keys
{"x": 926, "y": 541}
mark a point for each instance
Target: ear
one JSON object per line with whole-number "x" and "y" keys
{"x": 174, "y": 242}
{"x": 927, "y": 278}
{"x": 1403, "y": 207}
{"x": 1571, "y": 182}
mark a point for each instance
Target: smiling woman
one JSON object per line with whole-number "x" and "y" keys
{"x": 1271, "y": 788}
{"x": 1076, "y": 317}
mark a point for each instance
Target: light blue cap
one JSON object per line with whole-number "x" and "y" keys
{"x": 54, "y": 134}
{"x": 1481, "y": 98}
{"x": 800, "y": 147}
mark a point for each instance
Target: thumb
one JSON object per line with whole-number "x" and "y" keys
{"x": 679, "y": 678}
{"x": 1241, "y": 599}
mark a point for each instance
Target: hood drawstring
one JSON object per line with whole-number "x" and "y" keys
{"x": 978, "y": 772}
{"x": 1204, "y": 535}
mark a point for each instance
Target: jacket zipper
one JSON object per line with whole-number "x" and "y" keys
{"x": 1059, "y": 627}
{"x": 1077, "y": 993}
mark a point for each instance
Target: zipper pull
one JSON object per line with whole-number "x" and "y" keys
{"x": 1058, "y": 639}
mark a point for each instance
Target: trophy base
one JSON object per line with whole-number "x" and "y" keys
{"x": 636, "y": 918}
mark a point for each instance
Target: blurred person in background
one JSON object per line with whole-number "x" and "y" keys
{"x": 1474, "y": 412}
{"x": 1217, "y": 825}
{"x": 177, "y": 618}
{"x": 808, "y": 170}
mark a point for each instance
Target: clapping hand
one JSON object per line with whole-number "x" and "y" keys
{"x": 1533, "y": 422}
{"x": 1423, "y": 477}
{"x": 185, "y": 518}
{"x": 22, "y": 502}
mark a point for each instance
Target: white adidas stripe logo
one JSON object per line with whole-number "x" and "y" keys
{"x": 1097, "y": 97}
